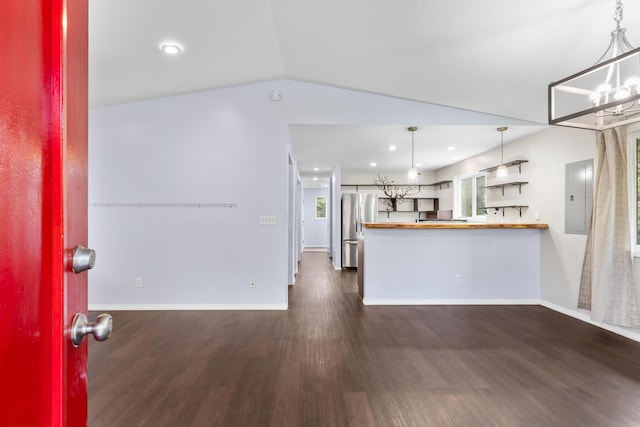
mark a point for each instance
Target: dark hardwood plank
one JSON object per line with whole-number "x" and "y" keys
{"x": 358, "y": 410}
{"x": 330, "y": 361}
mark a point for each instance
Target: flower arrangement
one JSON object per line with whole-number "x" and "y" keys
{"x": 393, "y": 191}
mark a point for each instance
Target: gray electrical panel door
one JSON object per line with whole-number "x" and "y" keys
{"x": 578, "y": 196}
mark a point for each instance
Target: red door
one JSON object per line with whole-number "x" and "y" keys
{"x": 43, "y": 210}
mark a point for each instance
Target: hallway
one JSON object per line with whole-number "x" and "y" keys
{"x": 330, "y": 361}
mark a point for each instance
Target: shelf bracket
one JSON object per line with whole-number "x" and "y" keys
{"x": 503, "y": 208}
{"x": 496, "y": 208}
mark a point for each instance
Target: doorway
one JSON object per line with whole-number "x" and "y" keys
{"x": 316, "y": 219}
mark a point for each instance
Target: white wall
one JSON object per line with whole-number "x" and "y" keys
{"x": 495, "y": 266}
{"x": 315, "y": 230}
{"x": 548, "y": 152}
{"x": 226, "y": 146}
{"x": 350, "y": 177}
{"x": 151, "y": 163}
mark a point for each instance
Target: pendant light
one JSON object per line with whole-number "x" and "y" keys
{"x": 412, "y": 175}
{"x": 501, "y": 173}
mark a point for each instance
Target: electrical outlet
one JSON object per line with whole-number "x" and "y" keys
{"x": 138, "y": 282}
{"x": 252, "y": 282}
{"x": 458, "y": 278}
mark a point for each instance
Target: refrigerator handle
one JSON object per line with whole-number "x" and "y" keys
{"x": 359, "y": 218}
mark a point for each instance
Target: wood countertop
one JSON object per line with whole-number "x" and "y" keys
{"x": 453, "y": 225}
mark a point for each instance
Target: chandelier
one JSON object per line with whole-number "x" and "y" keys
{"x": 605, "y": 95}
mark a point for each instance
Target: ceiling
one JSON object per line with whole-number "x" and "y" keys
{"x": 493, "y": 56}
{"x": 357, "y": 147}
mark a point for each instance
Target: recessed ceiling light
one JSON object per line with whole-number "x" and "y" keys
{"x": 171, "y": 48}
{"x": 392, "y": 148}
{"x": 316, "y": 169}
{"x": 373, "y": 164}
{"x": 455, "y": 157}
{"x": 315, "y": 178}
{"x": 451, "y": 148}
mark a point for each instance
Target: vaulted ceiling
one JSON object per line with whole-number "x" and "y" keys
{"x": 492, "y": 56}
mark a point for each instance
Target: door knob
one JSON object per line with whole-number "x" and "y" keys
{"x": 101, "y": 328}
{"x": 82, "y": 259}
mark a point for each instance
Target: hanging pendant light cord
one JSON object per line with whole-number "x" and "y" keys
{"x": 617, "y": 16}
{"x": 502, "y": 147}
{"x": 412, "y": 132}
{"x": 501, "y": 130}
{"x": 412, "y": 129}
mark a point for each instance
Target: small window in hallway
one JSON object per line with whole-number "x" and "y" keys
{"x": 321, "y": 207}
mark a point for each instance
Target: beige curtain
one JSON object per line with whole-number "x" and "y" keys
{"x": 606, "y": 286}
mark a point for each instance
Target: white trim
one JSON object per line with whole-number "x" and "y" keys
{"x": 162, "y": 205}
{"x": 457, "y": 197}
{"x": 584, "y": 316}
{"x": 366, "y": 301}
{"x": 322, "y": 249}
{"x": 176, "y": 307}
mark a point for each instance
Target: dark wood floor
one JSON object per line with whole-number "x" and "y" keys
{"x": 330, "y": 361}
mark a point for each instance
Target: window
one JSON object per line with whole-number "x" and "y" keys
{"x": 470, "y": 195}
{"x": 321, "y": 207}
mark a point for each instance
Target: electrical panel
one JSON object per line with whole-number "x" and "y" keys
{"x": 578, "y": 196}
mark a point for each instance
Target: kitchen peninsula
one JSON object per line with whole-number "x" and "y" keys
{"x": 450, "y": 263}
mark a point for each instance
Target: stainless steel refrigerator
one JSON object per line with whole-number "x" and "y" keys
{"x": 356, "y": 209}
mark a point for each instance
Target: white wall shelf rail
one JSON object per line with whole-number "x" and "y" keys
{"x": 518, "y": 184}
{"x": 519, "y": 208}
{"x": 163, "y": 205}
{"x": 517, "y": 163}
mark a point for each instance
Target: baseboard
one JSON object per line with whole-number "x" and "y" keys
{"x": 366, "y": 301}
{"x": 315, "y": 249}
{"x": 185, "y": 307}
{"x": 584, "y": 316}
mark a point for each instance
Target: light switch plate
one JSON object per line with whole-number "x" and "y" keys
{"x": 267, "y": 220}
